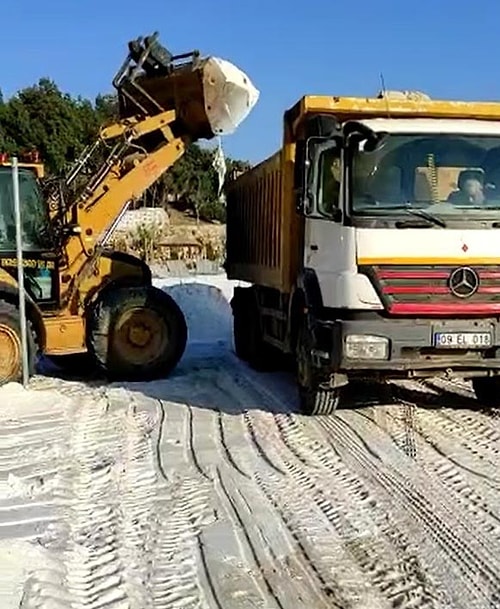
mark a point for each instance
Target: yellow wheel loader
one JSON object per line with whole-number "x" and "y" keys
{"x": 81, "y": 296}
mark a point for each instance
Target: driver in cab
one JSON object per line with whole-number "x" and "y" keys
{"x": 470, "y": 188}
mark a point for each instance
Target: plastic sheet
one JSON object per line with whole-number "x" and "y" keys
{"x": 229, "y": 95}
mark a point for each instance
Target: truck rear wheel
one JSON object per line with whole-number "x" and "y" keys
{"x": 314, "y": 399}
{"x": 11, "y": 355}
{"x": 136, "y": 333}
{"x": 487, "y": 390}
{"x": 248, "y": 341}
{"x": 241, "y": 329}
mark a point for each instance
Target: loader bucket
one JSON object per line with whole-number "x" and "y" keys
{"x": 211, "y": 96}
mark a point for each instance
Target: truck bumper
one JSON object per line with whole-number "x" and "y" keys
{"x": 410, "y": 347}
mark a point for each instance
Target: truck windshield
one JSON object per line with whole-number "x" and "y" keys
{"x": 34, "y": 215}
{"x": 456, "y": 175}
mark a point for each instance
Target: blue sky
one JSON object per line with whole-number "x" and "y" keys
{"x": 447, "y": 48}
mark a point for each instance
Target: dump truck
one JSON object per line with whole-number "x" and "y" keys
{"x": 369, "y": 245}
{"x": 82, "y": 297}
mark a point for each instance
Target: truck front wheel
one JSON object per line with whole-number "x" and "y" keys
{"x": 314, "y": 399}
{"x": 487, "y": 390}
{"x": 136, "y": 333}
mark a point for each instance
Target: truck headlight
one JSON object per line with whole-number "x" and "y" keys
{"x": 363, "y": 346}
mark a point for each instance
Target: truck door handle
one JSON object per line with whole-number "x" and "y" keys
{"x": 314, "y": 248}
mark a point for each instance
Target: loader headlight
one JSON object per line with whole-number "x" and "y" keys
{"x": 364, "y": 346}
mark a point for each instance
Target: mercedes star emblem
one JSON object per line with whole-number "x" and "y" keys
{"x": 463, "y": 282}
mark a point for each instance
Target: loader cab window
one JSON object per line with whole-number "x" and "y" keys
{"x": 443, "y": 174}
{"x": 34, "y": 214}
{"x": 329, "y": 179}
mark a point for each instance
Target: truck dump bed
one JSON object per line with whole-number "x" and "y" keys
{"x": 262, "y": 225}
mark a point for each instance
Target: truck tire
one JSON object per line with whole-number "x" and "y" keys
{"x": 313, "y": 398}
{"x": 248, "y": 341}
{"x": 136, "y": 333}
{"x": 241, "y": 327}
{"x": 487, "y": 390}
{"x": 11, "y": 355}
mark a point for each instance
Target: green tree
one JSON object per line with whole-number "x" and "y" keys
{"x": 193, "y": 183}
{"x": 59, "y": 126}
{"x": 41, "y": 117}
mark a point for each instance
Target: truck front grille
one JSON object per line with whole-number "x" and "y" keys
{"x": 419, "y": 290}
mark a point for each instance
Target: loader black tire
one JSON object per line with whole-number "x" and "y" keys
{"x": 11, "y": 356}
{"x": 314, "y": 399}
{"x": 136, "y": 333}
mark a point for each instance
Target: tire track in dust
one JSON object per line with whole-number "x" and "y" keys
{"x": 288, "y": 578}
{"x": 211, "y": 547}
{"x": 92, "y": 566}
{"x": 365, "y": 449}
{"x": 398, "y": 553}
{"x": 470, "y": 434}
{"x": 33, "y": 440}
{"x": 108, "y": 495}
{"x": 317, "y": 556}
{"x": 78, "y": 389}
{"x": 182, "y": 515}
{"x": 137, "y": 488}
{"x": 439, "y": 519}
{"x": 441, "y": 455}
{"x": 177, "y": 512}
{"x": 462, "y": 437}
{"x": 478, "y": 422}
{"x": 156, "y": 542}
{"x": 442, "y": 433}
{"x": 448, "y": 465}
{"x": 372, "y": 537}
{"x": 471, "y": 487}
{"x": 252, "y": 574}
{"x": 315, "y": 523}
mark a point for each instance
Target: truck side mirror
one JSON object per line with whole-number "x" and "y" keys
{"x": 318, "y": 129}
{"x": 307, "y": 178}
{"x": 299, "y": 178}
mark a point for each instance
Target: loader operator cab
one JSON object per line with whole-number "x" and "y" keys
{"x": 34, "y": 215}
{"x": 40, "y": 269}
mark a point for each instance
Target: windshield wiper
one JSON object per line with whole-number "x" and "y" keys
{"x": 420, "y": 213}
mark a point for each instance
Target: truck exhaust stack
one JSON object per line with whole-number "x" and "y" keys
{"x": 211, "y": 96}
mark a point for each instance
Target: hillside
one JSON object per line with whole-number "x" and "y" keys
{"x": 159, "y": 235}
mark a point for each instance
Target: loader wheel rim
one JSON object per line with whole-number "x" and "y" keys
{"x": 10, "y": 348}
{"x": 141, "y": 336}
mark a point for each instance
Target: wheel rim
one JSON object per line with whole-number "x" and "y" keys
{"x": 10, "y": 348}
{"x": 303, "y": 361}
{"x": 140, "y": 336}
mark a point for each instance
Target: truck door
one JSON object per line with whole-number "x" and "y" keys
{"x": 329, "y": 246}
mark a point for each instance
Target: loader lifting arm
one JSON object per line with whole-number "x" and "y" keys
{"x": 165, "y": 102}
{"x": 81, "y": 298}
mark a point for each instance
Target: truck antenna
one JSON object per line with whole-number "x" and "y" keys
{"x": 384, "y": 94}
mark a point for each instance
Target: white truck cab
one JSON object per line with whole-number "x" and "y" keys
{"x": 395, "y": 252}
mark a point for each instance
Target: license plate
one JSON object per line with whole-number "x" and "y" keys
{"x": 462, "y": 340}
